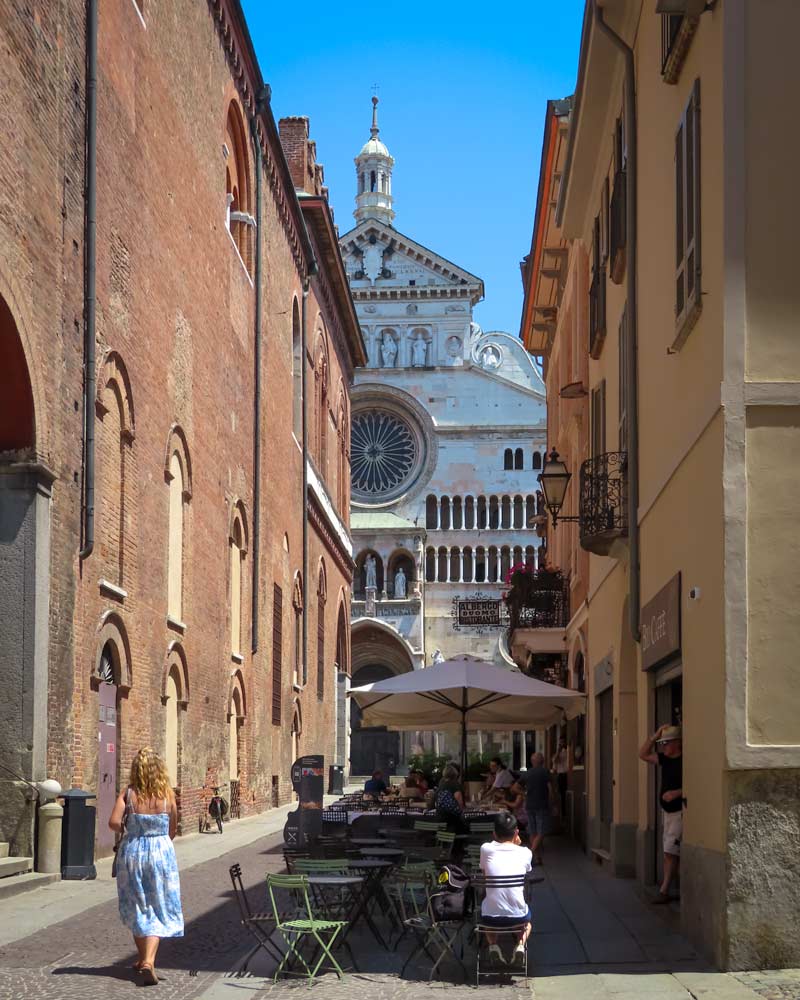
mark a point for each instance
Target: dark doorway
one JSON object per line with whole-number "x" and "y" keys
{"x": 107, "y": 749}
{"x": 669, "y": 708}
{"x": 372, "y": 748}
{"x": 605, "y": 725}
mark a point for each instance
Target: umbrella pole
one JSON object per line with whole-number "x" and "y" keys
{"x": 463, "y": 734}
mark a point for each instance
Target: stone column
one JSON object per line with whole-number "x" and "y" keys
{"x": 438, "y": 512}
{"x": 461, "y": 566}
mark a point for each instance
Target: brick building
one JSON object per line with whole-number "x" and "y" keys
{"x": 162, "y": 580}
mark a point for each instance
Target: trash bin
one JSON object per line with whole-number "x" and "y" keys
{"x": 77, "y": 835}
{"x": 335, "y": 779}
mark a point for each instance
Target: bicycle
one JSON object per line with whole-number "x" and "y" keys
{"x": 217, "y": 809}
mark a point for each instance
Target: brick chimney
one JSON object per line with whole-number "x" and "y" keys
{"x": 301, "y": 153}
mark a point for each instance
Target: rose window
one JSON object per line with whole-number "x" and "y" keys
{"x": 383, "y": 454}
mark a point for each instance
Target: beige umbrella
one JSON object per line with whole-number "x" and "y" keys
{"x": 466, "y": 693}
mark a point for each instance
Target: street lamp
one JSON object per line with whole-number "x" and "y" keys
{"x": 555, "y": 477}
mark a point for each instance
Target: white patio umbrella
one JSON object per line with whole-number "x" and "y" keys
{"x": 465, "y": 693}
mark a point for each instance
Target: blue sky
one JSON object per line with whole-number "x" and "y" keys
{"x": 462, "y": 89}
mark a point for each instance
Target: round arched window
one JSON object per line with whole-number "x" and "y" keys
{"x": 384, "y": 454}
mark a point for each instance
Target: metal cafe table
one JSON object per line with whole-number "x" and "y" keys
{"x": 373, "y": 870}
{"x": 338, "y": 897}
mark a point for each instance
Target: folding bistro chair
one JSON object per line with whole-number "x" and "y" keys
{"x": 261, "y": 925}
{"x": 406, "y": 890}
{"x": 435, "y": 935}
{"x": 294, "y": 930}
{"x": 481, "y": 883}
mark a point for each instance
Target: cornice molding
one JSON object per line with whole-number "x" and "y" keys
{"x": 319, "y": 520}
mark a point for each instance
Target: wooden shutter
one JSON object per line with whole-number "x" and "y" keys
{"x": 624, "y": 390}
{"x": 687, "y": 218}
{"x": 599, "y": 419}
{"x": 277, "y": 654}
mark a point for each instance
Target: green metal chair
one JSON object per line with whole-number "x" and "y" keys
{"x": 294, "y": 930}
{"x": 321, "y": 866}
{"x": 445, "y": 841}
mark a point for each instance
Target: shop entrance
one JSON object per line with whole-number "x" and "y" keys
{"x": 605, "y": 764}
{"x": 669, "y": 710}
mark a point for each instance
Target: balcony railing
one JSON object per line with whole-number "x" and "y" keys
{"x": 604, "y": 501}
{"x": 597, "y": 312}
{"x": 539, "y": 600}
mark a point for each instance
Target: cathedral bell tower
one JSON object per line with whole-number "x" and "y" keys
{"x": 374, "y": 177}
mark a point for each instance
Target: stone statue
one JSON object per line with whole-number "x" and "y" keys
{"x": 388, "y": 350}
{"x": 400, "y": 583}
{"x": 370, "y": 573}
{"x": 419, "y": 352}
{"x": 438, "y": 657}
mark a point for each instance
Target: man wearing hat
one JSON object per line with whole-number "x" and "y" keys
{"x": 664, "y": 749}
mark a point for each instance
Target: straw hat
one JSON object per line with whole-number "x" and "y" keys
{"x": 670, "y": 733}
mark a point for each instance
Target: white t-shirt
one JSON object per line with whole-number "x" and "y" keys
{"x": 504, "y": 859}
{"x": 503, "y": 779}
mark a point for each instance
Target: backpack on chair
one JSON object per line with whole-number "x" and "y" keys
{"x": 453, "y": 898}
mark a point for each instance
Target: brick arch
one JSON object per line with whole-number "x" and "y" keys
{"x": 176, "y": 658}
{"x": 112, "y": 629}
{"x": 236, "y": 684}
{"x": 342, "y": 635}
{"x": 297, "y": 591}
{"x": 322, "y": 579}
{"x": 15, "y": 337}
{"x": 113, "y": 376}
{"x": 239, "y": 513}
{"x": 178, "y": 445}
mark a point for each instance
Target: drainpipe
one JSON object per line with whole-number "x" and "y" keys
{"x": 631, "y": 361}
{"x": 89, "y": 278}
{"x": 263, "y": 99}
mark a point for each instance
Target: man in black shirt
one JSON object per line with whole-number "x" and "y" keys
{"x": 664, "y": 749}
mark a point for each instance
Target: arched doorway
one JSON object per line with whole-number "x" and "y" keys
{"x": 24, "y": 586}
{"x": 377, "y": 652}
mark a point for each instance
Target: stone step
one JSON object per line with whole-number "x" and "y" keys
{"x": 24, "y": 883}
{"x": 3, "y": 850}
{"x": 14, "y": 866}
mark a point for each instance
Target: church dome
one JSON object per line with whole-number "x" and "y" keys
{"x": 374, "y": 147}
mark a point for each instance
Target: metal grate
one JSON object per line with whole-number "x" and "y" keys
{"x": 235, "y": 808}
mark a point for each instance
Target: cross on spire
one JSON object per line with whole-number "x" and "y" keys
{"x": 374, "y": 130}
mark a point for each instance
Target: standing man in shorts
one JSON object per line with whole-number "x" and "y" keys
{"x": 664, "y": 749}
{"x": 537, "y": 803}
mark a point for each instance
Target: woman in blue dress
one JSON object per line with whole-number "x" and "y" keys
{"x": 148, "y": 885}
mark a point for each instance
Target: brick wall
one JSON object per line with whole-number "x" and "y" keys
{"x": 175, "y": 347}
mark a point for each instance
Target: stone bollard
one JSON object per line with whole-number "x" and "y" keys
{"x": 48, "y": 855}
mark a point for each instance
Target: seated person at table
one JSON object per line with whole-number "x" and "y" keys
{"x": 505, "y": 907}
{"x": 515, "y": 803}
{"x": 422, "y": 781}
{"x": 450, "y": 801}
{"x": 498, "y": 780}
{"x": 411, "y": 789}
{"x": 375, "y": 786}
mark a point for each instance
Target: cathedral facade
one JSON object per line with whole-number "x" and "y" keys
{"x": 447, "y": 440}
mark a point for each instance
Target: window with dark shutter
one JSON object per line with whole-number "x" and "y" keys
{"x": 277, "y": 654}
{"x": 624, "y": 390}
{"x": 688, "y": 300}
{"x": 599, "y": 419}
{"x": 617, "y": 209}
{"x": 597, "y": 296}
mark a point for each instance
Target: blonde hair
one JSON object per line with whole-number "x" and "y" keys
{"x": 149, "y": 776}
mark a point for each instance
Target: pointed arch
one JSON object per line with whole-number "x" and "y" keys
{"x": 175, "y": 662}
{"x": 237, "y": 697}
{"x": 178, "y": 445}
{"x": 238, "y": 186}
{"x": 114, "y": 377}
{"x": 112, "y": 631}
{"x": 321, "y": 394}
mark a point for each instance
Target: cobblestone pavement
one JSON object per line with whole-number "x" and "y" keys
{"x": 594, "y": 939}
{"x": 90, "y": 955}
{"x": 781, "y": 985}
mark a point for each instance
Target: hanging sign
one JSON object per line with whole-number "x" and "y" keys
{"x": 661, "y": 625}
{"x": 479, "y": 613}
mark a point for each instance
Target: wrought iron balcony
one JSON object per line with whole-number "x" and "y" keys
{"x": 604, "y": 501}
{"x": 538, "y": 599}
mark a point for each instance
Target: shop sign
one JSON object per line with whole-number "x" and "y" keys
{"x": 479, "y": 613}
{"x": 661, "y": 625}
